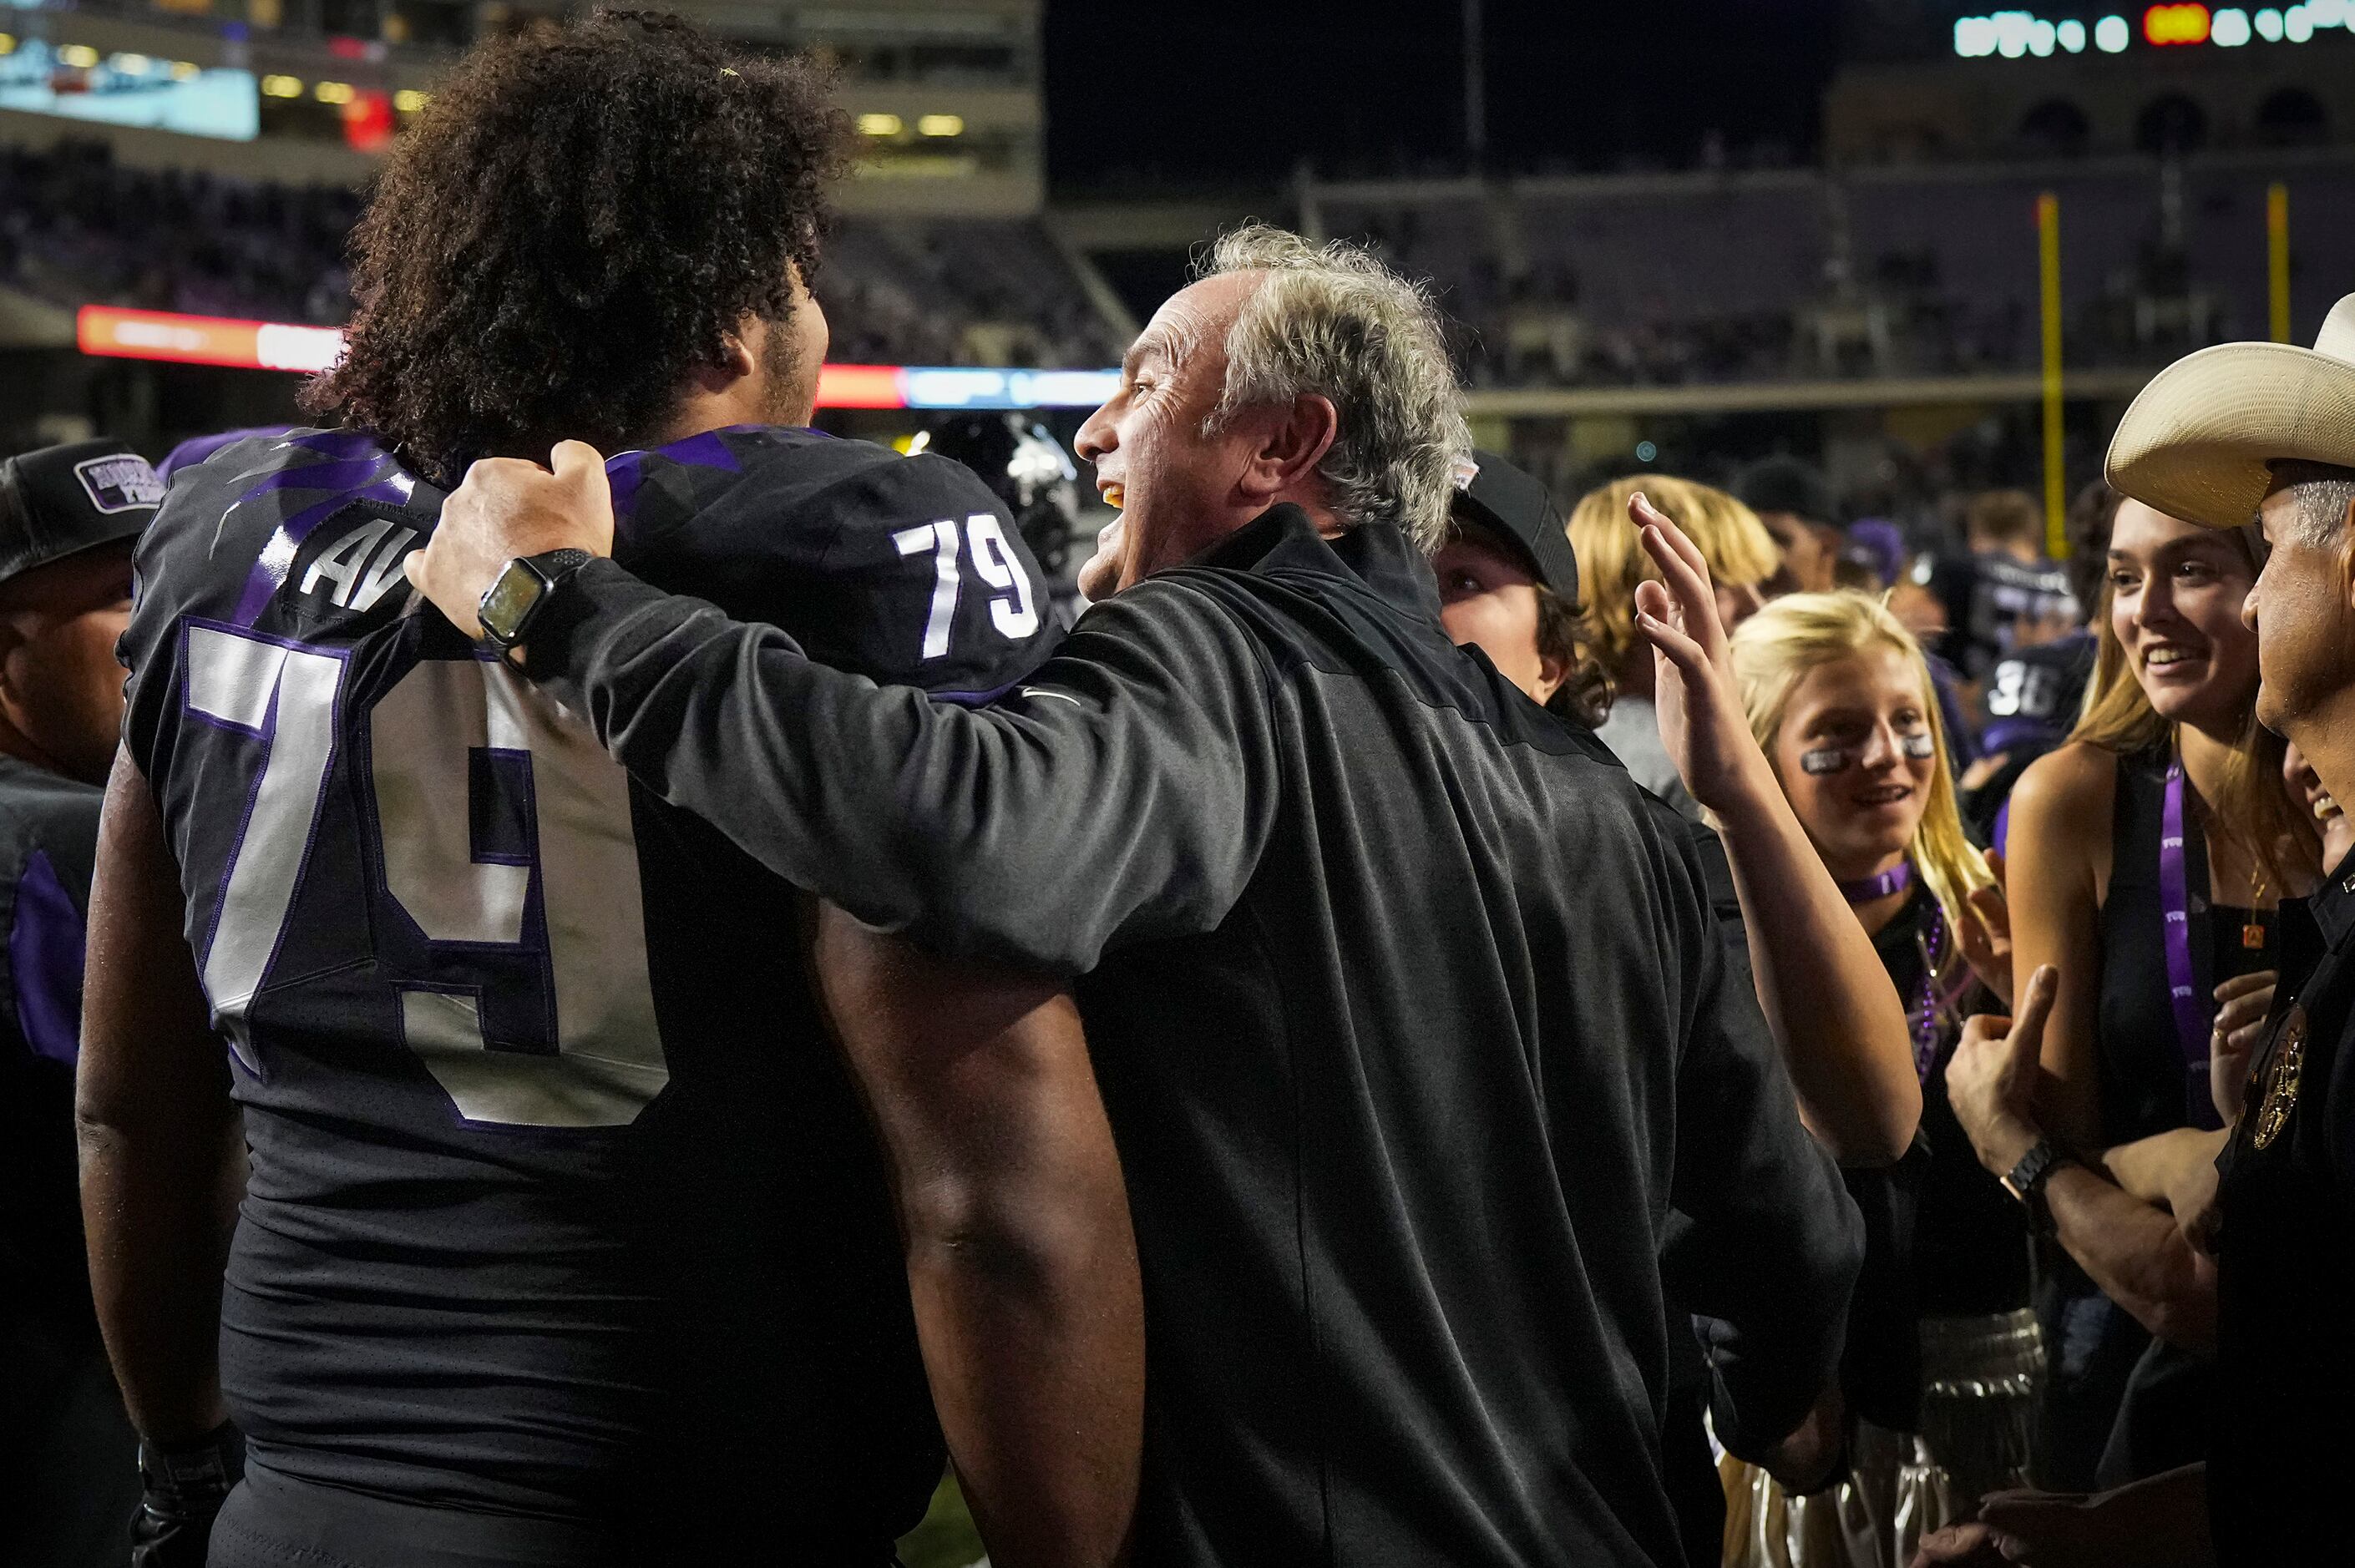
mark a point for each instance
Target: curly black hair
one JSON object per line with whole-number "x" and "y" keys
{"x": 568, "y": 230}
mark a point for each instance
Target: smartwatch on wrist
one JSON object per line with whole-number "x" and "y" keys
{"x": 2027, "y": 1180}
{"x": 518, "y": 594}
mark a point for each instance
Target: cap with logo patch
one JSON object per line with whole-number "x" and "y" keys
{"x": 60, "y": 501}
{"x": 1514, "y": 505}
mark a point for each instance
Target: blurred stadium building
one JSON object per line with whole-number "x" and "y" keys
{"x": 1879, "y": 305}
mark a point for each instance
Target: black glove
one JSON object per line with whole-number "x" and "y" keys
{"x": 184, "y": 1484}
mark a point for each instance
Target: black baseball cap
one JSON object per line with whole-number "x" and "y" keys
{"x": 60, "y": 501}
{"x": 1514, "y": 505}
{"x": 1785, "y": 483}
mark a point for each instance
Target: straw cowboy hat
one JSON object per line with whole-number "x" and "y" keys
{"x": 2196, "y": 442}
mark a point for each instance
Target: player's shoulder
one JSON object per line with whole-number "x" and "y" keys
{"x": 903, "y": 569}
{"x": 770, "y": 490}
{"x": 282, "y": 514}
{"x": 267, "y": 476}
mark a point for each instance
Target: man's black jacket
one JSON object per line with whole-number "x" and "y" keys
{"x": 1409, "y": 1008}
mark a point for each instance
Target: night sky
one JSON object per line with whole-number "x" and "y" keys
{"x": 1232, "y": 92}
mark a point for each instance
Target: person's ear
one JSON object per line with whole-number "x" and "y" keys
{"x": 13, "y": 635}
{"x": 735, "y": 363}
{"x": 1292, "y": 441}
{"x": 1552, "y": 671}
{"x": 2346, "y": 559}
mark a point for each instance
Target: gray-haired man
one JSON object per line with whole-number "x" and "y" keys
{"x": 1405, "y": 999}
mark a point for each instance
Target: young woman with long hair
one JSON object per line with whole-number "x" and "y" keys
{"x": 1944, "y": 1359}
{"x": 2149, "y": 857}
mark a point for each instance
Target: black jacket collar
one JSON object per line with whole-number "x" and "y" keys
{"x": 1282, "y": 540}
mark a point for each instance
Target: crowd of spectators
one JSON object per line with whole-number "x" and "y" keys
{"x": 971, "y": 293}
{"x": 1793, "y": 277}
{"x": 77, "y": 227}
{"x": 1787, "y": 275}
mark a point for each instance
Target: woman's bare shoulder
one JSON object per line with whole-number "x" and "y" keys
{"x": 2078, "y": 776}
{"x": 2062, "y": 806}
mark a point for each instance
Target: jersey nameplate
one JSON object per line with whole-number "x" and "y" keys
{"x": 360, "y": 560}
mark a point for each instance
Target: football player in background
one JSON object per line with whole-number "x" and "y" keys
{"x": 69, "y": 516}
{"x": 565, "y": 1238}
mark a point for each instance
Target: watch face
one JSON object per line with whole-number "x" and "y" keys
{"x": 510, "y": 599}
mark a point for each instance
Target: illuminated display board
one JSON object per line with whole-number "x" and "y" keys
{"x": 75, "y": 82}
{"x": 2013, "y": 34}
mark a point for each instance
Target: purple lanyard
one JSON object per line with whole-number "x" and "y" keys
{"x": 2193, "y": 1015}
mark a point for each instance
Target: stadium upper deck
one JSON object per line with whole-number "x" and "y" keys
{"x": 946, "y": 91}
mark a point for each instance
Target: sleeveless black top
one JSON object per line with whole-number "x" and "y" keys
{"x": 2139, "y": 1050}
{"x": 1942, "y": 1237}
{"x": 1970, "y": 1242}
{"x": 2121, "y": 1406}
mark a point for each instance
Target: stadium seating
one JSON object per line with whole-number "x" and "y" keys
{"x": 76, "y": 227}
{"x": 1610, "y": 280}
{"x": 1782, "y": 274}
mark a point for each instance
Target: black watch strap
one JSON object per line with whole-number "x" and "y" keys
{"x": 543, "y": 576}
{"x": 2028, "y": 1180}
{"x": 554, "y": 564}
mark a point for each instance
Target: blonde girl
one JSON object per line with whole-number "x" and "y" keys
{"x": 1944, "y": 1359}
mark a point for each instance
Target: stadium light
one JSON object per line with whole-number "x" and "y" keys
{"x": 7, "y": 43}
{"x": 2017, "y": 35}
{"x": 332, "y": 92}
{"x": 131, "y": 65}
{"x": 282, "y": 87}
{"x": 2179, "y": 24}
{"x": 81, "y": 56}
{"x": 409, "y": 100}
{"x": 109, "y": 332}
{"x": 941, "y": 125}
{"x": 879, "y": 125}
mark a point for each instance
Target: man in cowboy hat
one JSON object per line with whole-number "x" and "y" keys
{"x": 2249, "y": 432}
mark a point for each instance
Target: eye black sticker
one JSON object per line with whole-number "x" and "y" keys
{"x": 1827, "y": 760}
